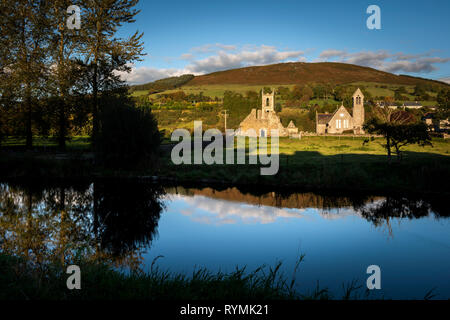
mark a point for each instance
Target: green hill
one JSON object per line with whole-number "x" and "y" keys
{"x": 303, "y": 73}
{"x": 288, "y": 74}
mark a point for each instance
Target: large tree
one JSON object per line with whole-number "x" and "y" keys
{"x": 64, "y": 47}
{"x": 24, "y": 60}
{"x": 399, "y": 128}
{"x": 106, "y": 56}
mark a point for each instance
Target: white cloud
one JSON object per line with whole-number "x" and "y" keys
{"x": 386, "y": 61}
{"x": 213, "y": 47}
{"x": 262, "y": 55}
{"x": 446, "y": 80}
{"x": 326, "y": 54}
{"x": 224, "y": 57}
{"x": 146, "y": 74}
{"x": 216, "y": 57}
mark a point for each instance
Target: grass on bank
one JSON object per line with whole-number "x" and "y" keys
{"x": 20, "y": 280}
{"x": 335, "y": 163}
{"x": 315, "y": 163}
{"x": 80, "y": 143}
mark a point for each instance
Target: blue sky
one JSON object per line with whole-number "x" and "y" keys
{"x": 205, "y": 36}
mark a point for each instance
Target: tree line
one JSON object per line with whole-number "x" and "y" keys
{"x": 54, "y": 78}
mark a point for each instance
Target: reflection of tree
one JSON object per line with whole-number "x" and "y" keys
{"x": 377, "y": 210}
{"x": 39, "y": 223}
{"x": 126, "y": 214}
{"x": 380, "y": 212}
{"x": 56, "y": 223}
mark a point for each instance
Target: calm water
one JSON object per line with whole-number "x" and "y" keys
{"x": 131, "y": 223}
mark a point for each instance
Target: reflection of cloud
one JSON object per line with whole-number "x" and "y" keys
{"x": 216, "y": 211}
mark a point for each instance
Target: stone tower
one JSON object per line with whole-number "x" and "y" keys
{"x": 358, "y": 111}
{"x": 268, "y": 101}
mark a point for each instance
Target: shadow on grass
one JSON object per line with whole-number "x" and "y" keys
{"x": 417, "y": 172}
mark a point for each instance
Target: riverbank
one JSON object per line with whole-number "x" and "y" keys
{"x": 315, "y": 164}
{"x": 21, "y": 280}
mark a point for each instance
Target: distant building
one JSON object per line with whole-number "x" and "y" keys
{"x": 383, "y": 104}
{"x": 436, "y": 124}
{"x": 412, "y": 105}
{"x": 292, "y": 129}
{"x": 341, "y": 120}
{"x": 264, "y": 120}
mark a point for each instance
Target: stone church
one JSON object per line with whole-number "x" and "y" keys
{"x": 341, "y": 120}
{"x": 263, "y": 120}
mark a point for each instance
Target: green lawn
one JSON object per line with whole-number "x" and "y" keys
{"x": 330, "y": 145}
{"x": 374, "y": 88}
{"x": 75, "y": 143}
{"x": 334, "y": 163}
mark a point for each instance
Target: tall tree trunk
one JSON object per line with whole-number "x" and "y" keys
{"x": 62, "y": 89}
{"x": 388, "y": 147}
{"x": 95, "y": 106}
{"x": 62, "y": 125}
{"x": 29, "y": 115}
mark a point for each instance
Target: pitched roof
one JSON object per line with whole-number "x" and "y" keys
{"x": 428, "y": 115}
{"x": 409, "y": 103}
{"x": 324, "y": 118}
{"x": 358, "y": 92}
{"x": 291, "y": 125}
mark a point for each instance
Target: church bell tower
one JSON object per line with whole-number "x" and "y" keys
{"x": 358, "y": 110}
{"x": 268, "y": 101}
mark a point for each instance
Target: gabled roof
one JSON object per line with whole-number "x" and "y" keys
{"x": 291, "y": 125}
{"x": 358, "y": 92}
{"x": 324, "y": 118}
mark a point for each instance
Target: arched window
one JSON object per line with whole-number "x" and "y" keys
{"x": 262, "y": 133}
{"x": 267, "y": 102}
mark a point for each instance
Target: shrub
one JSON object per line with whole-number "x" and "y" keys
{"x": 128, "y": 135}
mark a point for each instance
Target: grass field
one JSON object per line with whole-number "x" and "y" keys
{"x": 374, "y": 88}
{"x": 74, "y": 143}
{"x": 331, "y": 146}
{"x": 335, "y": 163}
{"x": 313, "y": 163}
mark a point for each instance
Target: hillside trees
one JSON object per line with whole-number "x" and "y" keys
{"x": 163, "y": 84}
{"x": 443, "y": 100}
{"x": 238, "y": 106}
